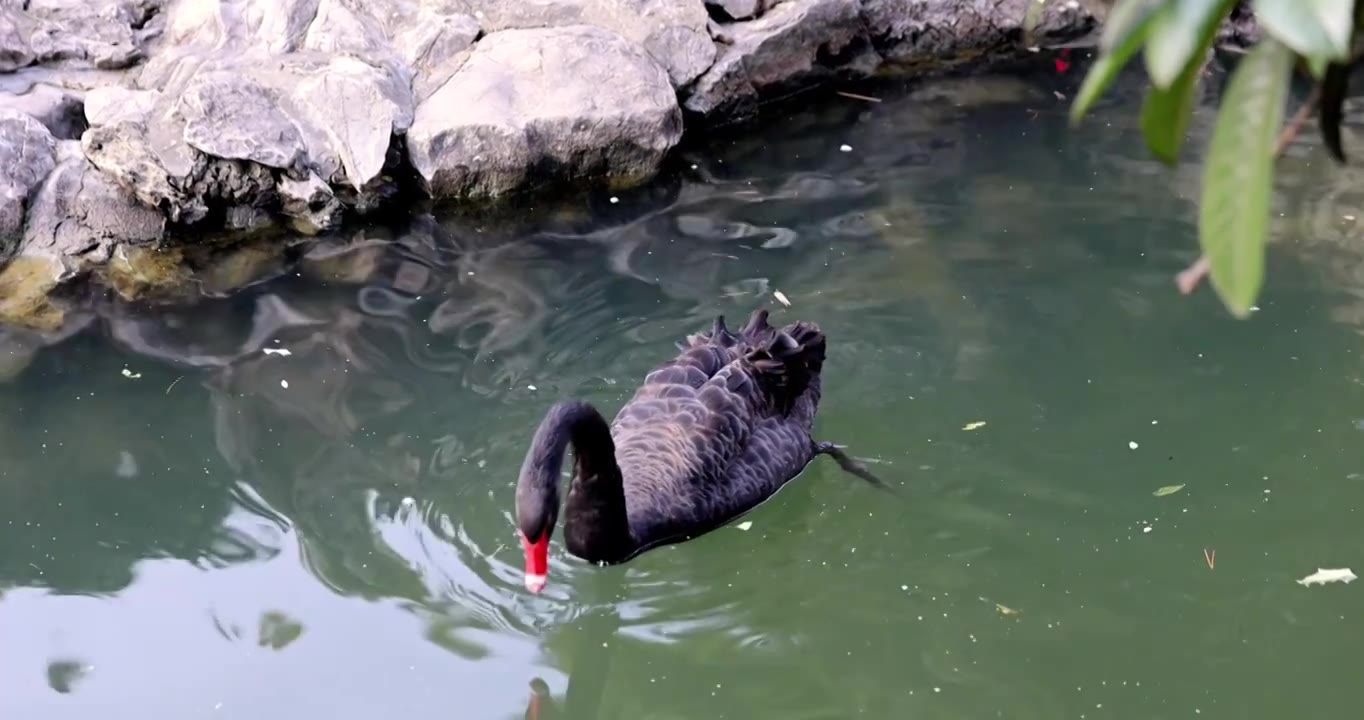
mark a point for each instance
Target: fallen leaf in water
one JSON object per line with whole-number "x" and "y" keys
{"x": 277, "y": 630}
{"x": 1006, "y": 610}
{"x": 781, "y": 298}
{"x": 130, "y": 374}
{"x": 1323, "y": 576}
{"x": 973, "y": 425}
{"x": 745, "y": 525}
{"x": 277, "y": 351}
{"x": 1168, "y": 490}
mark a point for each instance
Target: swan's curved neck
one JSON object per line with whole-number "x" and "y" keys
{"x": 596, "y": 527}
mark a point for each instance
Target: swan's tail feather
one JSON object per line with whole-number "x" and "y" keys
{"x": 851, "y": 465}
{"x": 757, "y": 326}
{"x": 787, "y": 361}
{"x": 717, "y": 335}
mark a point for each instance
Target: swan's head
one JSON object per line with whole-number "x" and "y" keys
{"x": 537, "y": 561}
{"x": 537, "y": 510}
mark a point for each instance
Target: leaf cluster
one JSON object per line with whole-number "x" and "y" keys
{"x": 1317, "y": 38}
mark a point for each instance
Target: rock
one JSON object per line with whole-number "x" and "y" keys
{"x": 435, "y": 46}
{"x": 28, "y": 153}
{"x": 579, "y": 100}
{"x": 936, "y": 33}
{"x": 75, "y": 33}
{"x": 737, "y": 9}
{"x": 674, "y": 32}
{"x": 76, "y": 221}
{"x": 311, "y": 203}
{"x": 783, "y": 47}
{"x": 56, "y": 108}
{"x": 231, "y": 116}
{"x": 112, "y": 104}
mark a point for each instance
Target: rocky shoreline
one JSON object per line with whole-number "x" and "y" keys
{"x": 124, "y": 122}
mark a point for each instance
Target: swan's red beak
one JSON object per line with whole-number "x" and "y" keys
{"x": 537, "y": 562}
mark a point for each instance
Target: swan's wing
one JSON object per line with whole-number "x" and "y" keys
{"x": 677, "y": 442}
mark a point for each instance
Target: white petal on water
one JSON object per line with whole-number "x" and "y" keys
{"x": 130, "y": 374}
{"x": 1132, "y": 444}
{"x": 284, "y": 384}
{"x": 614, "y": 199}
{"x": 745, "y": 525}
{"x": 973, "y": 425}
{"x": 781, "y": 298}
{"x": 531, "y": 387}
{"x": 1324, "y": 575}
{"x": 283, "y": 352}
{"x": 845, "y": 148}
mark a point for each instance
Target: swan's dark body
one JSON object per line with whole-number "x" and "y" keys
{"x": 708, "y": 436}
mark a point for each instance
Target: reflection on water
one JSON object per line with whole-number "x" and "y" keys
{"x": 295, "y": 499}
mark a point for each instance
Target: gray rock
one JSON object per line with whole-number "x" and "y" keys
{"x": 673, "y": 31}
{"x": 75, "y": 33}
{"x": 28, "y": 153}
{"x": 579, "y": 100}
{"x": 113, "y": 104}
{"x": 311, "y": 202}
{"x": 79, "y": 215}
{"x": 56, "y": 108}
{"x": 738, "y": 9}
{"x": 230, "y": 116}
{"x": 937, "y": 32}
{"x": 783, "y": 47}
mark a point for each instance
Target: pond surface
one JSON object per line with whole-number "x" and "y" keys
{"x": 222, "y": 532}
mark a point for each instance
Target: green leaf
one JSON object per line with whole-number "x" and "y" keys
{"x": 1331, "y": 109}
{"x": 1125, "y": 19}
{"x": 1176, "y": 37}
{"x": 1129, "y": 27}
{"x": 1238, "y": 174}
{"x": 1312, "y": 28}
{"x": 1168, "y": 490}
{"x": 1165, "y": 115}
{"x": 1165, "y": 112}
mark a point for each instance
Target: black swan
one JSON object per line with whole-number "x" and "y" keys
{"x": 708, "y": 436}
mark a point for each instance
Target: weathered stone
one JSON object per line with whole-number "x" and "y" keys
{"x": 311, "y": 203}
{"x": 782, "y": 47}
{"x": 75, "y": 33}
{"x": 230, "y": 116}
{"x": 28, "y": 153}
{"x": 673, "y": 31}
{"x": 737, "y": 9}
{"x": 56, "y": 108}
{"x": 81, "y": 214}
{"x": 579, "y": 100}
{"x": 435, "y": 46}
{"x": 918, "y": 32}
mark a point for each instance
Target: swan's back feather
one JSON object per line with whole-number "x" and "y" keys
{"x": 716, "y": 430}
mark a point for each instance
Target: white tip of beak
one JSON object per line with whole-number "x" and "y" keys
{"x": 535, "y": 583}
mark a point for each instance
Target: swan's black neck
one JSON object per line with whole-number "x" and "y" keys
{"x": 596, "y": 527}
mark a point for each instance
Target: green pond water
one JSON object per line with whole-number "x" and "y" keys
{"x": 226, "y": 533}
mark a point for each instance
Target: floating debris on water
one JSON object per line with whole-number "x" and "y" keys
{"x": 745, "y": 525}
{"x": 781, "y": 298}
{"x": 130, "y": 374}
{"x": 532, "y": 387}
{"x": 614, "y": 199}
{"x": 845, "y": 148}
{"x": 284, "y": 384}
{"x": 1168, "y": 490}
{"x": 1324, "y": 575}
{"x": 284, "y": 352}
{"x": 973, "y": 425}
{"x": 1006, "y": 610}
{"x": 1133, "y": 445}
